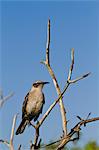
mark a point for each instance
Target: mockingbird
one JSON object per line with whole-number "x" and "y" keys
{"x": 32, "y": 105}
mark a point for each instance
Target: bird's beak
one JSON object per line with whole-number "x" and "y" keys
{"x": 45, "y": 82}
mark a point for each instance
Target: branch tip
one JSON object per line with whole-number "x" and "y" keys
{"x": 84, "y": 76}
{"x": 43, "y": 62}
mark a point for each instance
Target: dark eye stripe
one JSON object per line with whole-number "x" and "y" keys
{"x": 36, "y": 84}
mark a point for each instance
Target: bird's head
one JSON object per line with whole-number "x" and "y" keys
{"x": 38, "y": 85}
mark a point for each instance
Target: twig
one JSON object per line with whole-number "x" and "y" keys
{"x": 8, "y": 96}
{"x": 1, "y": 94}
{"x": 12, "y": 132}
{"x": 48, "y": 44}
{"x": 5, "y": 142}
{"x": 72, "y": 64}
{"x": 19, "y": 148}
{"x": 79, "y": 78}
{"x": 4, "y": 99}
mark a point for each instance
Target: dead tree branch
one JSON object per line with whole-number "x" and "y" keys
{"x": 10, "y": 144}
{"x": 5, "y": 142}
{"x": 19, "y": 148}
{"x": 12, "y": 132}
{"x": 47, "y": 64}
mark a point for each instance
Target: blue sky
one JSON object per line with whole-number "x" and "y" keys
{"x": 23, "y": 41}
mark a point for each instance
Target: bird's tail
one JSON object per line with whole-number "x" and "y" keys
{"x": 22, "y": 126}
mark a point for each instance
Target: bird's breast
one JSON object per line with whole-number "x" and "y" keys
{"x": 34, "y": 104}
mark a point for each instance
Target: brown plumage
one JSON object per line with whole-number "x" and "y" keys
{"x": 32, "y": 105}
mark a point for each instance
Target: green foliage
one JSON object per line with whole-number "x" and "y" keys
{"x": 91, "y": 146}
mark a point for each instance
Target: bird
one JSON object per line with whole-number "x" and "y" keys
{"x": 32, "y": 105}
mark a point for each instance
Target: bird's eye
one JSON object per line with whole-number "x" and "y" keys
{"x": 35, "y": 85}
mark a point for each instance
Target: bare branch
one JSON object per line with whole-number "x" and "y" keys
{"x": 72, "y": 64}
{"x": 4, "y": 99}
{"x": 8, "y": 96}
{"x": 79, "y": 78}
{"x": 80, "y": 118}
{"x": 10, "y": 144}
{"x": 47, "y": 63}
{"x": 12, "y": 132}
{"x": 5, "y": 142}
{"x": 88, "y": 115}
{"x": 19, "y": 148}
{"x": 48, "y": 43}
{"x": 1, "y": 94}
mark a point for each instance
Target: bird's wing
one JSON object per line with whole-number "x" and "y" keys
{"x": 42, "y": 103}
{"x": 40, "y": 112}
{"x": 24, "y": 105}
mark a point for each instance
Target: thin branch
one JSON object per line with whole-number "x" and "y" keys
{"x": 4, "y": 99}
{"x": 8, "y": 96}
{"x": 72, "y": 64}
{"x": 19, "y": 148}
{"x": 1, "y": 94}
{"x": 79, "y": 78}
{"x": 5, "y": 142}
{"x": 12, "y": 132}
{"x": 47, "y": 63}
{"x": 48, "y": 44}
{"x": 10, "y": 144}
